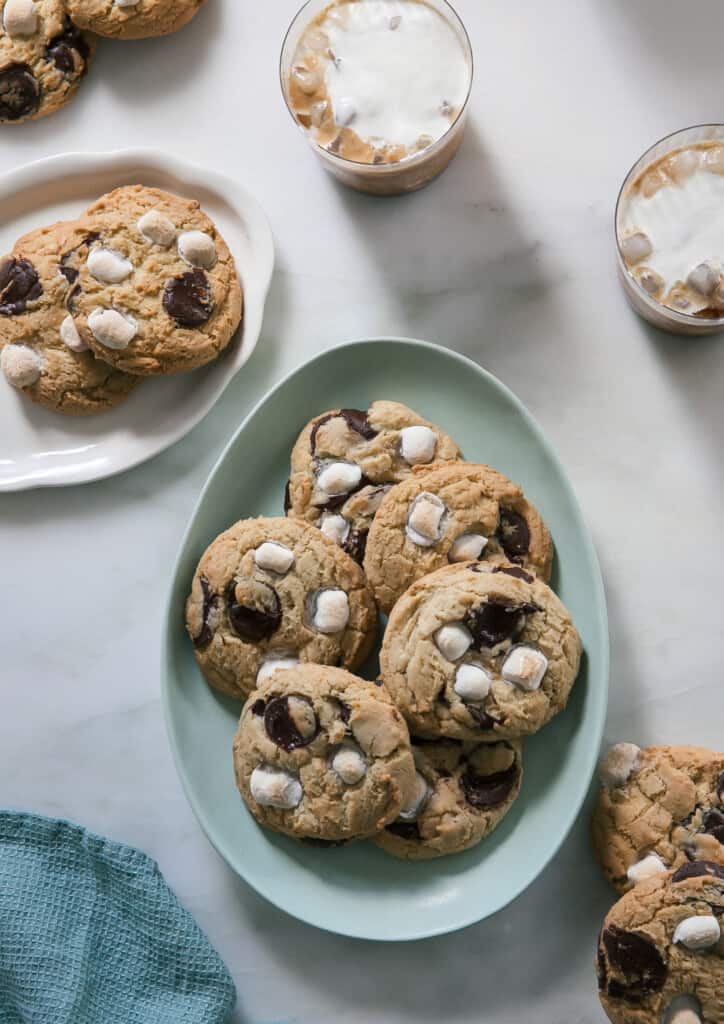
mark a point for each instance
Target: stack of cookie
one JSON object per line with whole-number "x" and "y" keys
{"x": 140, "y": 284}
{"x": 46, "y": 45}
{"x": 658, "y": 833}
{"x": 478, "y": 653}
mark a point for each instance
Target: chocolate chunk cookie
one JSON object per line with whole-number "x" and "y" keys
{"x": 661, "y": 954}
{"x": 462, "y": 792}
{"x": 322, "y": 755}
{"x": 452, "y": 512}
{"x": 345, "y": 461}
{"x": 43, "y": 58}
{"x": 479, "y": 652}
{"x": 132, "y": 19}
{"x": 154, "y": 288}
{"x": 41, "y": 353}
{"x": 659, "y": 808}
{"x": 269, "y": 593}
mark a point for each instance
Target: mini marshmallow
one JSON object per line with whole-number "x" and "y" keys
{"x": 344, "y": 111}
{"x": 21, "y": 365}
{"x": 651, "y": 282}
{"x": 424, "y": 520}
{"x": 317, "y": 113}
{"x": 20, "y": 18}
{"x": 682, "y": 165}
{"x": 452, "y": 640}
{"x": 111, "y": 328}
{"x": 157, "y": 229}
{"x": 683, "y": 1010}
{"x": 417, "y": 445}
{"x": 525, "y": 667}
{"x": 646, "y": 868}
{"x": 274, "y": 556}
{"x": 70, "y": 337}
{"x": 272, "y": 665}
{"x": 331, "y": 611}
{"x": 308, "y": 80}
{"x": 339, "y": 478}
{"x": 467, "y": 548}
{"x": 636, "y": 248}
{"x": 621, "y": 761}
{"x": 197, "y": 248}
{"x": 714, "y": 160}
{"x": 273, "y": 787}
{"x": 697, "y": 933}
{"x": 350, "y": 764}
{"x": 335, "y": 527}
{"x": 704, "y": 278}
{"x": 417, "y": 800}
{"x": 108, "y": 266}
{"x": 472, "y": 683}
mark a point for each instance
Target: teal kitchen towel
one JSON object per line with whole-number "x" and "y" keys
{"x": 91, "y": 934}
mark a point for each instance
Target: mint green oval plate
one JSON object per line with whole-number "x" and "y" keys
{"x": 358, "y": 890}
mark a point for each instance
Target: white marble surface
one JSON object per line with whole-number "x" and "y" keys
{"x": 507, "y": 258}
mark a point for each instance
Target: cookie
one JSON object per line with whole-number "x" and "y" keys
{"x": 155, "y": 288}
{"x": 658, "y": 809}
{"x": 452, "y": 512}
{"x": 40, "y": 352}
{"x": 345, "y": 460}
{"x": 276, "y": 590}
{"x": 479, "y": 652}
{"x": 43, "y": 58}
{"x": 463, "y": 791}
{"x": 132, "y": 19}
{"x": 322, "y": 755}
{"x": 661, "y": 952}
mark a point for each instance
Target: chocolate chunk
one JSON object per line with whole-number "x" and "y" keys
{"x": 204, "y": 635}
{"x": 442, "y": 696}
{"x": 356, "y": 420}
{"x": 405, "y": 829}
{"x": 257, "y": 708}
{"x": 68, "y": 272}
{"x": 282, "y": 728}
{"x": 482, "y": 718}
{"x": 713, "y": 825}
{"x": 720, "y": 788}
{"x": 356, "y": 544}
{"x": 287, "y": 497}
{"x": 19, "y": 92}
{"x": 344, "y": 712}
{"x": 324, "y": 843}
{"x": 19, "y": 285}
{"x": 484, "y": 791}
{"x": 64, "y": 48}
{"x": 696, "y": 869}
{"x": 602, "y": 971}
{"x": 497, "y": 620}
{"x": 187, "y": 298}
{"x": 513, "y": 570}
{"x": 639, "y": 961}
{"x": 258, "y": 615}
{"x": 513, "y": 534}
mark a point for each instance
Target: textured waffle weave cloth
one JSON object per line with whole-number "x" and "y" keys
{"x": 90, "y": 933}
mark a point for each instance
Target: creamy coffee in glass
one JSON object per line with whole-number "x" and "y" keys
{"x": 670, "y": 232}
{"x": 380, "y": 88}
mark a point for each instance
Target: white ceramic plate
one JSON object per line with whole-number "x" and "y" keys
{"x": 39, "y": 447}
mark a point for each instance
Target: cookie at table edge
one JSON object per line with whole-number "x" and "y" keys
{"x": 645, "y": 960}
{"x": 40, "y": 70}
{"x": 142, "y": 20}
{"x": 658, "y": 808}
